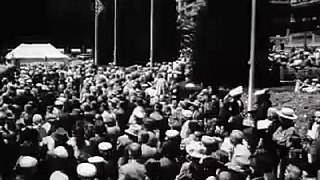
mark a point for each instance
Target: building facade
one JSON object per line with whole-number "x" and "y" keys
{"x": 296, "y": 23}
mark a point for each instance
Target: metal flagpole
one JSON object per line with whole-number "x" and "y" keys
{"x": 115, "y": 34}
{"x": 96, "y": 33}
{"x": 151, "y": 32}
{"x": 252, "y": 54}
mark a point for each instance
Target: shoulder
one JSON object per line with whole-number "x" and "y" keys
{"x": 291, "y": 130}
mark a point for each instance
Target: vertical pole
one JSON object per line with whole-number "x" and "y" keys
{"x": 96, "y": 33}
{"x": 252, "y": 53}
{"x": 115, "y": 34}
{"x": 151, "y": 33}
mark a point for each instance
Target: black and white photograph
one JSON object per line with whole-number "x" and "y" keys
{"x": 160, "y": 90}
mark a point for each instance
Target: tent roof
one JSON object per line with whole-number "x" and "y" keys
{"x": 35, "y": 51}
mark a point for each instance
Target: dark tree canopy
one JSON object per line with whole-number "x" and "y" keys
{"x": 223, "y": 41}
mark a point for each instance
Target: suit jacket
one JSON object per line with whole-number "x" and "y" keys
{"x": 262, "y": 110}
{"x": 132, "y": 170}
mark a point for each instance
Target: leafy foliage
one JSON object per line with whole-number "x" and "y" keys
{"x": 187, "y": 23}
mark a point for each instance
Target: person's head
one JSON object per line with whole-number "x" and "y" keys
{"x": 292, "y": 173}
{"x": 287, "y": 117}
{"x": 158, "y": 107}
{"x": 152, "y": 168}
{"x": 236, "y": 137}
{"x": 105, "y": 149}
{"x": 225, "y": 175}
{"x": 174, "y": 102}
{"x": 143, "y": 137}
{"x": 104, "y": 107}
{"x": 272, "y": 113}
{"x": 89, "y": 130}
{"x": 160, "y": 75}
{"x": 316, "y": 116}
{"x": 135, "y": 151}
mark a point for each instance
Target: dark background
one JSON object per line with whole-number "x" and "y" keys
{"x": 70, "y": 23}
{"x": 222, "y": 40}
{"x": 222, "y": 45}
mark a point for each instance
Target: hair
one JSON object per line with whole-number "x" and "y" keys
{"x": 144, "y": 137}
{"x": 153, "y": 168}
{"x": 294, "y": 171}
{"x": 135, "y": 150}
{"x": 100, "y": 130}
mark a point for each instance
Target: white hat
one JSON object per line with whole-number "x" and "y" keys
{"x": 62, "y": 99}
{"x": 139, "y": 113}
{"x": 86, "y": 170}
{"x": 58, "y": 103}
{"x": 262, "y": 91}
{"x": 95, "y": 159}
{"x": 133, "y": 130}
{"x": 236, "y": 91}
{"x": 37, "y": 118}
{"x": 196, "y": 150}
{"x": 172, "y": 133}
{"x": 45, "y": 88}
{"x": 277, "y": 56}
{"x": 287, "y": 113}
{"x": 105, "y": 146}
{"x": 27, "y": 162}
{"x": 186, "y": 113}
{"x": 208, "y": 140}
{"x": 190, "y": 85}
{"x": 61, "y": 152}
{"x": 211, "y": 178}
{"x": 58, "y": 175}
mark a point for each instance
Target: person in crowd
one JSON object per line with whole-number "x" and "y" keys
{"x": 282, "y": 136}
{"x": 133, "y": 169}
{"x": 84, "y": 121}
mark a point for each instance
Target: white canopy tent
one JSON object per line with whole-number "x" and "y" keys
{"x": 33, "y": 53}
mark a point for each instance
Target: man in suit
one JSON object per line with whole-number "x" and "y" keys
{"x": 133, "y": 169}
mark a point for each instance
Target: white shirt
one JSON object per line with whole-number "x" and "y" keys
{"x": 314, "y": 132}
{"x": 228, "y": 146}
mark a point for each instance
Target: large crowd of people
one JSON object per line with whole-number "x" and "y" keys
{"x": 296, "y": 58}
{"x": 88, "y": 122}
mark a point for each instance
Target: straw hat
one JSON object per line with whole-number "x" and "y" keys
{"x": 86, "y": 170}
{"x": 196, "y": 150}
{"x": 105, "y": 146}
{"x": 287, "y": 113}
{"x": 61, "y": 152}
{"x": 172, "y": 133}
{"x": 58, "y": 175}
{"x": 186, "y": 113}
{"x": 95, "y": 159}
{"x": 27, "y": 162}
{"x": 236, "y": 91}
{"x": 261, "y": 92}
